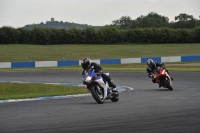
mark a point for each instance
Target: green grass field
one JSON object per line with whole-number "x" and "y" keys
{"x": 19, "y": 52}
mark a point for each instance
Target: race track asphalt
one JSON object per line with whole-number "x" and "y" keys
{"x": 146, "y": 109}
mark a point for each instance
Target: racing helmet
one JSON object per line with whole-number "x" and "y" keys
{"x": 85, "y": 62}
{"x": 151, "y": 64}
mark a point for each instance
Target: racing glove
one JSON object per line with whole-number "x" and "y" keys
{"x": 150, "y": 75}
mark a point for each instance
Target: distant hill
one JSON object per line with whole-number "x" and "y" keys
{"x": 59, "y": 25}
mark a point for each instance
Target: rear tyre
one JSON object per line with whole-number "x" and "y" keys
{"x": 115, "y": 97}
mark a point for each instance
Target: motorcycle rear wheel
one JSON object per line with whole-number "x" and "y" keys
{"x": 115, "y": 97}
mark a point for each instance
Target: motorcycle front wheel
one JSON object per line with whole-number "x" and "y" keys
{"x": 97, "y": 93}
{"x": 167, "y": 84}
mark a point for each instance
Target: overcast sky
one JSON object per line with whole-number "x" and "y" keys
{"x": 18, "y": 13}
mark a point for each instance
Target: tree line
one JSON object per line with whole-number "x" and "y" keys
{"x": 104, "y": 35}
{"x": 154, "y": 20}
{"x": 152, "y": 28}
{"x": 151, "y": 20}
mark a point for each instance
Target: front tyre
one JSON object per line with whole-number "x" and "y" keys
{"x": 167, "y": 84}
{"x": 97, "y": 93}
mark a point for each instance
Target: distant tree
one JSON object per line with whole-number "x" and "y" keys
{"x": 9, "y": 35}
{"x": 108, "y": 34}
{"x": 123, "y": 23}
{"x": 40, "y": 36}
{"x": 134, "y": 24}
{"x": 90, "y": 35}
{"x": 152, "y": 20}
{"x": 184, "y": 17}
{"x": 198, "y": 23}
{"x": 184, "y": 20}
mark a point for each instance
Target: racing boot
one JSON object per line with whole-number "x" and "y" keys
{"x": 112, "y": 86}
{"x": 159, "y": 85}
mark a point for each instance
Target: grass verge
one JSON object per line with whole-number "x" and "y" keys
{"x": 32, "y": 90}
{"x": 25, "y": 52}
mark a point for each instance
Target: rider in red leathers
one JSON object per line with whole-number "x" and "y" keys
{"x": 151, "y": 65}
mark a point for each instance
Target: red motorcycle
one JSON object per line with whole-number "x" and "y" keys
{"x": 162, "y": 78}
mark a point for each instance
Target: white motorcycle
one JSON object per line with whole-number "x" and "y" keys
{"x": 98, "y": 87}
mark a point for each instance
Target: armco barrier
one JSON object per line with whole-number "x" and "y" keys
{"x": 99, "y": 61}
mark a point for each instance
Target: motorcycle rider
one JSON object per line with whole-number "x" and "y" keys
{"x": 151, "y": 65}
{"x": 86, "y": 64}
